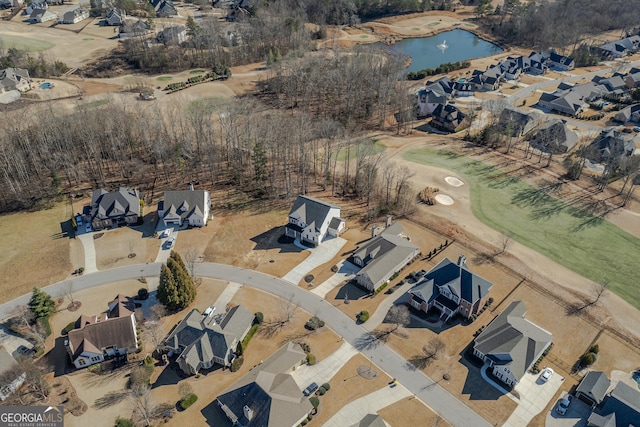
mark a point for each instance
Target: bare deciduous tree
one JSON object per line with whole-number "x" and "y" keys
{"x": 190, "y": 258}
{"x": 430, "y": 351}
{"x": 153, "y": 333}
{"x": 142, "y": 403}
{"x": 287, "y": 311}
{"x": 185, "y": 390}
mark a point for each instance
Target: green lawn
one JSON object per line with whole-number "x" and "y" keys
{"x": 24, "y": 43}
{"x": 377, "y": 148}
{"x": 584, "y": 243}
{"x": 196, "y": 72}
{"x": 164, "y": 78}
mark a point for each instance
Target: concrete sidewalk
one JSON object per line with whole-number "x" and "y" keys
{"x": 325, "y": 369}
{"x": 353, "y": 412}
{"x": 377, "y": 317}
{"x": 90, "y": 265}
{"x": 346, "y": 271}
{"x": 319, "y": 255}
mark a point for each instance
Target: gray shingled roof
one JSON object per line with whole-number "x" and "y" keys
{"x": 512, "y": 340}
{"x": 184, "y": 203}
{"x": 202, "y": 338}
{"x": 273, "y": 395}
{"x": 518, "y": 121}
{"x": 554, "y": 136}
{"x": 458, "y": 278}
{"x": 384, "y": 252}
{"x": 595, "y": 385}
{"x": 115, "y": 204}
{"x": 310, "y": 210}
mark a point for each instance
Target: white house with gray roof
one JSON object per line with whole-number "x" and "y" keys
{"x": 452, "y": 289}
{"x": 201, "y": 342}
{"x": 190, "y": 206}
{"x": 268, "y": 396}
{"x": 14, "y": 79}
{"x": 383, "y": 255}
{"x": 311, "y": 220}
{"x": 511, "y": 344}
{"x": 593, "y": 388}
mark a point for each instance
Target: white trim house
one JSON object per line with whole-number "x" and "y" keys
{"x": 311, "y": 220}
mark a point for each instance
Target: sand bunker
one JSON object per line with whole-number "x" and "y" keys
{"x": 443, "y": 199}
{"x": 451, "y": 180}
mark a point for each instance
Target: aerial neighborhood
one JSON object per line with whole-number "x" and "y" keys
{"x": 339, "y": 214}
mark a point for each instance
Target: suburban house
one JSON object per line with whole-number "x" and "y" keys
{"x": 383, "y": 255}
{"x": 559, "y": 62}
{"x": 615, "y": 84}
{"x": 632, "y": 80}
{"x": 553, "y": 137}
{"x": 448, "y": 118}
{"x": 620, "y": 48}
{"x": 164, "y": 8}
{"x": 442, "y": 87}
{"x": 452, "y": 289}
{"x": 311, "y": 220}
{"x": 268, "y": 396}
{"x": 201, "y": 342}
{"x": 42, "y": 15}
{"x": 14, "y": 79}
{"x": 190, "y": 206}
{"x": 110, "y": 334}
{"x": 535, "y": 63}
{"x": 74, "y": 16}
{"x": 138, "y": 28}
{"x": 115, "y": 17}
{"x": 489, "y": 79}
{"x": 511, "y": 344}
{"x": 572, "y": 100}
{"x": 10, "y": 374}
{"x": 621, "y": 408}
{"x": 35, "y": 5}
{"x": 428, "y": 100}
{"x": 173, "y": 35}
{"x": 9, "y": 4}
{"x": 516, "y": 123}
{"x": 114, "y": 208}
{"x": 630, "y": 113}
{"x": 610, "y": 146}
{"x": 593, "y": 388}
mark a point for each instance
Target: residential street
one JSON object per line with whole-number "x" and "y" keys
{"x": 423, "y": 387}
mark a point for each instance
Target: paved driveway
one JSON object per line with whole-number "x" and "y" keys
{"x": 11, "y": 342}
{"x": 576, "y": 415}
{"x": 534, "y": 397}
{"x": 164, "y": 252}
{"x": 346, "y": 271}
{"x": 319, "y": 255}
{"x": 324, "y": 370}
{"x": 87, "y": 241}
{"x": 353, "y": 412}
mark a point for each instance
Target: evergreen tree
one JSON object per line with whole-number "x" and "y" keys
{"x": 167, "y": 290}
{"x": 185, "y": 288}
{"x": 41, "y": 304}
{"x": 177, "y": 258}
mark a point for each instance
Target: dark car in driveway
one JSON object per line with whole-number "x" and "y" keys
{"x": 310, "y": 390}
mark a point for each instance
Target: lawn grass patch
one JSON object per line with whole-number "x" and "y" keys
{"x": 196, "y": 72}
{"x": 341, "y": 156}
{"x": 574, "y": 238}
{"x": 433, "y": 24}
{"x": 87, "y": 39}
{"x": 24, "y": 43}
{"x": 364, "y": 36}
{"x": 164, "y": 78}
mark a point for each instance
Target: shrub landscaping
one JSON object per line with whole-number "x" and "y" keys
{"x": 190, "y": 400}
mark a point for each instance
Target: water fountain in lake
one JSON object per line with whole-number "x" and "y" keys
{"x": 442, "y": 46}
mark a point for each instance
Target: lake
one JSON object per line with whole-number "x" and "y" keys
{"x": 463, "y": 45}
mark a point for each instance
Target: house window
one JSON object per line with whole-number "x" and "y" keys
{"x": 81, "y": 362}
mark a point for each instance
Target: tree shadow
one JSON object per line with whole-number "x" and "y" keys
{"x": 110, "y": 399}
{"x": 370, "y": 340}
{"x": 274, "y": 239}
{"x": 170, "y": 375}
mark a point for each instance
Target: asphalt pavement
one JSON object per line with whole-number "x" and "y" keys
{"x": 424, "y": 388}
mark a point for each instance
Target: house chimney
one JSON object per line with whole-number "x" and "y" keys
{"x": 191, "y": 186}
{"x": 462, "y": 261}
{"x": 374, "y": 231}
{"x": 248, "y": 412}
{"x": 389, "y": 218}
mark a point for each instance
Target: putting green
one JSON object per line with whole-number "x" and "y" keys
{"x": 24, "y": 43}
{"x": 572, "y": 237}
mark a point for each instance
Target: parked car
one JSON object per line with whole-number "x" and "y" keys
{"x": 166, "y": 233}
{"x": 170, "y": 242}
{"x": 310, "y": 390}
{"x": 78, "y": 221}
{"x": 564, "y": 405}
{"x": 637, "y": 128}
{"x": 546, "y": 374}
{"x": 88, "y": 228}
{"x": 26, "y": 351}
